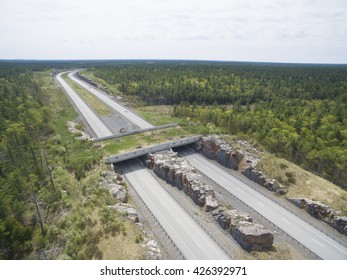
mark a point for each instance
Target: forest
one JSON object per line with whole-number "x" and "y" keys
{"x": 294, "y": 110}
{"x": 50, "y": 205}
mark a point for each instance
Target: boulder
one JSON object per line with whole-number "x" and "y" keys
{"x": 339, "y": 223}
{"x": 249, "y": 235}
{"x": 229, "y": 218}
{"x": 118, "y": 177}
{"x": 115, "y": 183}
{"x": 179, "y": 173}
{"x": 322, "y": 212}
{"x": 223, "y": 155}
{"x": 210, "y": 204}
{"x": 153, "y": 250}
{"x": 235, "y": 159}
{"x": 217, "y": 149}
{"x": 252, "y": 236}
{"x": 119, "y": 192}
{"x": 319, "y": 210}
{"x": 316, "y": 209}
{"x": 254, "y": 175}
{"x": 298, "y": 202}
{"x": 210, "y": 146}
{"x": 129, "y": 212}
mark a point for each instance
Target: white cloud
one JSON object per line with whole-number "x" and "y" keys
{"x": 283, "y": 30}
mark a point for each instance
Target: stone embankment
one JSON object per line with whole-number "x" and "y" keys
{"x": 115, "y": 183}
{"x": 322, "y": 212}
{"x": 213, "y": 147}
{"x": 178, "y": 172}
{"x": 91, "y": 82}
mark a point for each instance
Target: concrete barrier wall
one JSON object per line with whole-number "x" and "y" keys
{"x": 152, "y": 149}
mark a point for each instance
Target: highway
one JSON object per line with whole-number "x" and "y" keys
{"x": 188, "y": 236}
{"x": 172, "y": 217}
{"x": 322, "y": 245}
{"x": 193, "y": 242}
{"x": 95, "y": 123}
{"x": 125, "y": 112}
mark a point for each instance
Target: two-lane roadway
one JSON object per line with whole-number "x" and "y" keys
{"x": 189, "y": 237}
{"x": 125, "y": 112}
{"x": 319, "y": 243}
{"x": 99, "y": 128}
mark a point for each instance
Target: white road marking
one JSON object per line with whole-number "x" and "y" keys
{"x": 318, "y": 242}
{"x": 283, "y": 219}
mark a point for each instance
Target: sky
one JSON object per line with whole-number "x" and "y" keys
{"x": 304, "y": 31}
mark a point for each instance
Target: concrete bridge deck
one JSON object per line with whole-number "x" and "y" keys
{"x": 153, "y": 149}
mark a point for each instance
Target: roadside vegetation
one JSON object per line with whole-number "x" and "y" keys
{"x": 301, "y": 183}
{"x": 51, "y": 205}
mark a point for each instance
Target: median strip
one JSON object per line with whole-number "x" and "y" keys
{"x": 100, "y": 107}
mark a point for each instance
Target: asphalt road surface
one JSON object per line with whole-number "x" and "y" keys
{"x": 193, "y": 242}
{"x": 93, "y": 120}
{"x": 125, "y": 112}
{"x": 319, "y": 243}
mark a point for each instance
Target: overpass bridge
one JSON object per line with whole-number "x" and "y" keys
{"x": 152, "y": 149}
{"x": 122, "y": 134}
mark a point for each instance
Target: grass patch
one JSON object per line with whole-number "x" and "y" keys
{"x": 121, "y": 144}
{"x": 62, "y": 110}
{"x": 158, "y": 115}
{"x": 301, "y": 183}
{"x": 122, "y": 247}
{"x": 149, "y": 138}
{"x": 278, "y": 252}
{"x": 100, "y": 107}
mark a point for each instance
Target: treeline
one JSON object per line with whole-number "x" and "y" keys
{"x": 49, "y": 208}
{"x": 23, "y": 169}
{"x": 297, "y": 111}
{"x": 206, "y": 83}
{"x": 308, "y": 133}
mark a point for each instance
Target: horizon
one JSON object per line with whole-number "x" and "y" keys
{"x": 270, "y": 31}
{"x": 154, "y": 60}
